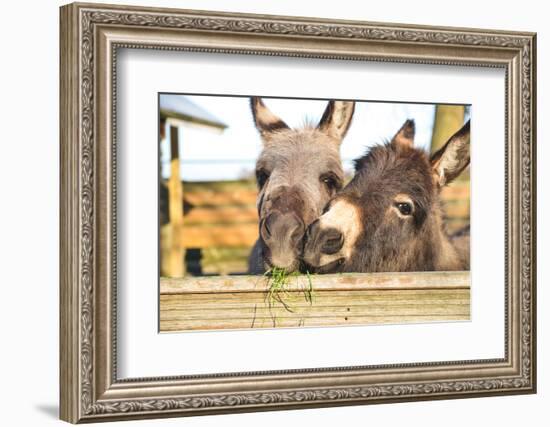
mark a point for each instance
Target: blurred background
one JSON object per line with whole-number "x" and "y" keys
{"x": 208, "y": 147}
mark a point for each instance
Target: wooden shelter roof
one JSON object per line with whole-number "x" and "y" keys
{"x": 182, "y": 108}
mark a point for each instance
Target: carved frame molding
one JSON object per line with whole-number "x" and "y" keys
{"x": 90, "y": 37}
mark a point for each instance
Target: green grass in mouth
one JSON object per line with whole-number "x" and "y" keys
{"x": 278, "y": 281}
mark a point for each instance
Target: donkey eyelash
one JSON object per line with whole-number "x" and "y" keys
{"x": 331, "y": 181}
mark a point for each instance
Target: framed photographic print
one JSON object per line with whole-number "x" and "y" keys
{"x": 266, "y": 212}
{"x": 260, "y": 205}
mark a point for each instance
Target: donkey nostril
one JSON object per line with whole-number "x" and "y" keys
{"x": 296, "y": 229}
{"x": 334, "y": 241}
{"x": 310, "y": 230}
{"x": 267, "y": 230}
{"x": 283, "y": 229}
{"x": 268, "y": 223}
{"x": 297, "y": 235}
{"x": 312, "y": 226}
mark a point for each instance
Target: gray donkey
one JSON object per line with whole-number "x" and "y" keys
{"x": 297, "y": 172}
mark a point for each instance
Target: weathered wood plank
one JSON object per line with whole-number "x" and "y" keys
{"x": 245, "y": 302}
{"x": 339, "y": 282}
{"x": 457, "y": 210}
{"x": 244, "y": 197}
{"x": 456, "y": 191}
{"x": 217, "y": 214}
{"x": 265, "y": 310}
{"x": 221, "y": 186}
{"x": 321, "y": 298}
{"x": 290, "y": 322}
{"x": 232, "y": 235}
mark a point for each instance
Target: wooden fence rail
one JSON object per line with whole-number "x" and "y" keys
{"x": 244, "y": 302}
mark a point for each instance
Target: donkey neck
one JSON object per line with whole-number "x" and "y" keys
{"x": 446, "y": 256}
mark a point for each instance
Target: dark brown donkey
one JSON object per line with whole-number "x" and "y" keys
{"x": 297, "y": 172}
{"x": 389, "y": 217}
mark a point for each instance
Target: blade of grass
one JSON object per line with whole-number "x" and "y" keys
{"x": 308, "y": 294}
{"x": 278, "y": 281}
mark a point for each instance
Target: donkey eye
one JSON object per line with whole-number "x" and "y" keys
{"x": 404, "y": 208}
{"x": 261, "y": 177}
{"x": 331, "y": 182}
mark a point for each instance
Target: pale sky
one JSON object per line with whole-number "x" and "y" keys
{"x": 208, "y": 155}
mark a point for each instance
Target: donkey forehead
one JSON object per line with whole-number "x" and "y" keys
{"x": 415, "y": 182}
{"x": 302, "y": 151}
{"x": 299, "y": 136}
{"x": 385, "y": 173}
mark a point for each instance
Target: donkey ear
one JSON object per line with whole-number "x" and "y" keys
{"x": 405, "y": 135}
{"x": 337, "y": 119}
{"x": 264, "y": 119}
{"x": 450, "y": 160}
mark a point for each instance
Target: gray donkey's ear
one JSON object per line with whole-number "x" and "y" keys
{"x": 450, "y": 160}
{"x": 266, "y": 122}
{"x": 336, "y": 119}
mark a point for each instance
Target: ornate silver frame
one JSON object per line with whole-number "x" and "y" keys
{"x": 90, "y": 36}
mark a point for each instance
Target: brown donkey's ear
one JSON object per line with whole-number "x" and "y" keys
{"x": 405, "y": 135}
{"x": 337, "y": 119}
{"x": 450, "y": 160}
{"x": 264, "y": 119}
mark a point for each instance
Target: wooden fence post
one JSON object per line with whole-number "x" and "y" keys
{"x": 448, "y": 119}
{"x": 174, "y": 265}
